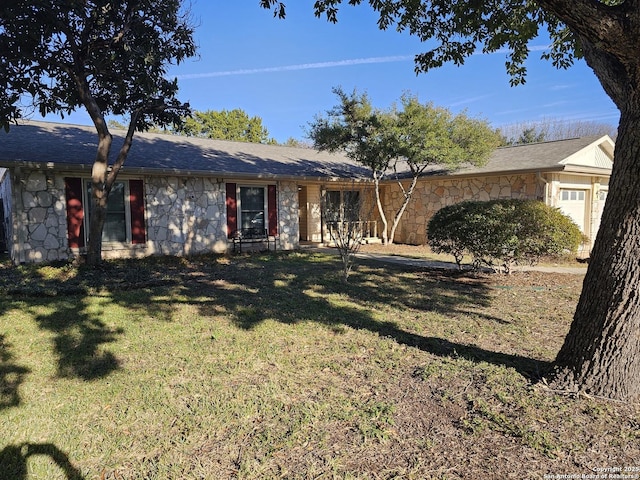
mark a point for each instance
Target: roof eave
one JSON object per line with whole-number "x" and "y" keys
{"x": 81, "y": 168}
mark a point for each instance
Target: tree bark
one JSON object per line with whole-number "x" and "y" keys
{"x": 383, "y": 218}
{"x": 99, "y": 199}
{"x": 601, "y": 353}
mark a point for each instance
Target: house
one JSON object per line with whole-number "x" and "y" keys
{"x": 182, "y": 195}
{"x": 572, "y": 175}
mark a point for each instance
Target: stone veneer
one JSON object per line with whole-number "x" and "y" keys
{"x": 288, "y": 212}
{"x": 431, "y": 195}
{"x": 39, "y": 220}
{"x": 184, "y": 215}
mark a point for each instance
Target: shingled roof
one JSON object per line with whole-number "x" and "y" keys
{"x": 73, "y": 147}
{"x": 548, "y": 156}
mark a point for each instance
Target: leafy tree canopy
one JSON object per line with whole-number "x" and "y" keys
{"x": 461, "y": 28}
{"x": 233, "y": 125}
{"x": 110, "y": 57}
{"x": 431, "y": 135}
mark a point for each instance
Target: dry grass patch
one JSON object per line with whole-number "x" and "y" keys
{"x": 268, "y": 366}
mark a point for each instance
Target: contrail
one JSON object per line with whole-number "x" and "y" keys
{"x": 303, "y": 66}
{"x": 309, "y": 66}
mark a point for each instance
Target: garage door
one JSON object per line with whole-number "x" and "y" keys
{"x": 573, "y": 203}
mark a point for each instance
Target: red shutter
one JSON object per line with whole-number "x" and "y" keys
{"x": 232, "y": 209}
{"x": 75, "y": 212}
{"x": 272, "y": 210}
{"x": 136, "y": 205}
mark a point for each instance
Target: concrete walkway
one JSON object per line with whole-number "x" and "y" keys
{"x": 419, "y": 263}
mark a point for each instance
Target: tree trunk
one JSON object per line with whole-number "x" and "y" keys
{"x": 99, "y": 197}
{"x": 403, "y": 207}
{"x": 601, "y": 353}
{"x": 383, "y": 218}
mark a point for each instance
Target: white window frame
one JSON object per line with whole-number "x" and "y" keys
{"x": 573, "y": 192}
{"x": 265, "y": 205}
{"x": 86, "y": 202}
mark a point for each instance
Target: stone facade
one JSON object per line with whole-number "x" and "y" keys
{"x": 431, "y": 194}
{"x": 39, "y": 230}
{"x": 183, "y": 216}
{"x": 288, "y": 211}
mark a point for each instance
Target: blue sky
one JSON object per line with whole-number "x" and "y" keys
{"x": 284, "y": 70}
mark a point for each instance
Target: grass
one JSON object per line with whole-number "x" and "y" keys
{"x": 268, "y": 366}
{"x": 423, "y": 252}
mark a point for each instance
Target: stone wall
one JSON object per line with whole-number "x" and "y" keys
{"x": 184, "y": 215}
{"x": 288, "y": 212}
{"x": 431, "y": 195}
{"x": 39, "y": 221}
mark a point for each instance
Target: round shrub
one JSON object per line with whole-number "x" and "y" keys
{"x": 504, "y": 231}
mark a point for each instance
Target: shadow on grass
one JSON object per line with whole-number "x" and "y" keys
{"x": 79, "y": 338}
{"x": 14, "y": 458}
{"x": 288, "y": 288}
{"x": 11, "y": 377}
{"x": 291, "y": 291}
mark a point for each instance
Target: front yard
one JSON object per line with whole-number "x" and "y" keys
{"x": 267, "y": 366}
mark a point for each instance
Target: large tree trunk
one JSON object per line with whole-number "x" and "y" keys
{"x": 601, "y": 353}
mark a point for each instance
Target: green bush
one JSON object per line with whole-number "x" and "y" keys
{"x": 504, "y": 231}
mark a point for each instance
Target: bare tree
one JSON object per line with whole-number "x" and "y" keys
{"x": 342, "y": 214}
{"x": 550, "y": 129}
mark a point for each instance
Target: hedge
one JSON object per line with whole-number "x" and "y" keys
{"x": 502, "y": 231}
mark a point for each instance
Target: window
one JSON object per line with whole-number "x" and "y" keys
{"x": 572, "y": 195}
{"x": 125, "y": 216}
{"x": 115, "y": 224}
{"x": 252, "y": 207}
{"x": 342, "y": 205}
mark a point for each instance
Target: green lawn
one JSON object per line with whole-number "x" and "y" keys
{"x": 267, "y": 366}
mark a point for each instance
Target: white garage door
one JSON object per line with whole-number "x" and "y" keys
{"x": 573, "y": 203}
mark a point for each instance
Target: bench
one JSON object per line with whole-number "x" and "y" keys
{"x": 252, "y": 235}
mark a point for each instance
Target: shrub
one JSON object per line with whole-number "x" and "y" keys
{"x": 507, "y": 231}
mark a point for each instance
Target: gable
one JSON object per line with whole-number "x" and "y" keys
{"x": 597, "y": 155}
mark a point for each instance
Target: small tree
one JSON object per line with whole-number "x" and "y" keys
{"x": 342, "y": 215}
{"x": 363, "y": 133}
{"x": 406, "y": 141}
{"x": 427, "y": 135}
